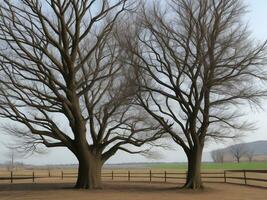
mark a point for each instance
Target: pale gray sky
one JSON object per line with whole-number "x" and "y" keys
{"x": 257, "y": 18}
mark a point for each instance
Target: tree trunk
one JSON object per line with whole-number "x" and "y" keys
{"x": 89, "y": 173}
{"x": 193, "y": 179}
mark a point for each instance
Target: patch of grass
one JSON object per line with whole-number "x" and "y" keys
{"x": 179, "y": 166}
{"x": 211, "y": 166}
{"x": 237, "y": 166}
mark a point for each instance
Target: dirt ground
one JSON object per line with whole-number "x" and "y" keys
{"x": 128, "y": 191}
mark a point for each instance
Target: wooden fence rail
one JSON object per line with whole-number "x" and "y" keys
{"x": 257, "y": 178}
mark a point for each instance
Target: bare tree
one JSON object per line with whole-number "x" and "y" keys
{"x": 218, "y": 156}
{"x": 238, "y": 151}
{"x": 11, "y": 156}
{"x": 196, "y": 66}
{"x": 61, "y": 80}
{"x": 250, "y": 153}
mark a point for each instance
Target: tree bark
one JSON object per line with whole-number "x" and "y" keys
{"x": 193, "y": 179}
{"x": 89, "y": 173}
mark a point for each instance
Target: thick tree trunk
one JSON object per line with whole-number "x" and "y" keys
{"x": 89, "y": 173}
{"x": 193, "y": 179}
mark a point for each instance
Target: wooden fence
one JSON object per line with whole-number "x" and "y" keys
{"x": 256, "y": 178}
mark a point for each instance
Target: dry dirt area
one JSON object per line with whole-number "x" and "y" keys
{"x": 128, "y": 191}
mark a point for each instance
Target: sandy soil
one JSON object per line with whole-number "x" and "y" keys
{"x": 128, "y": 191}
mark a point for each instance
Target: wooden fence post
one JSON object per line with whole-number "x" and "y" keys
{"x": 224, "y": 174}
{"x": 129, "y": 175}
{"x": 11, "y": 176}
{"x": 165, "y": 176}
{"x": 150, "y": 176}
{"x": 49, "y": 175}
{"x": 33, "y": 176}
{"x": 245, "y": 177}
{"x": 62, "y": 175}
{"x": 112, "y": 175}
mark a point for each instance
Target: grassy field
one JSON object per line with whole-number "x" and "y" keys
{"x": 211, "y": 166}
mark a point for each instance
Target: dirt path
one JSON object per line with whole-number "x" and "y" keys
{"x": 128, "y": 191}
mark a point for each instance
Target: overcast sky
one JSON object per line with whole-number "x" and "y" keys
{"x": 257, "y": 18}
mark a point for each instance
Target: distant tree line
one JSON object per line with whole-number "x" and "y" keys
{"x": 236, "y": 152}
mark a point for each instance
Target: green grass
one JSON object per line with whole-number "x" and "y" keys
{"x": 211, "y": 166}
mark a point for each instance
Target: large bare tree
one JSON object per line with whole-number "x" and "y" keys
{"x": 197, "y": 65}
{"x": 61, "y": 80}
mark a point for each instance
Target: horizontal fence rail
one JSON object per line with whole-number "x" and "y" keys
{"x": 256, "y": 178}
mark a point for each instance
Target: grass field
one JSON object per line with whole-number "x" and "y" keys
{"x": 211, "y": 166}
